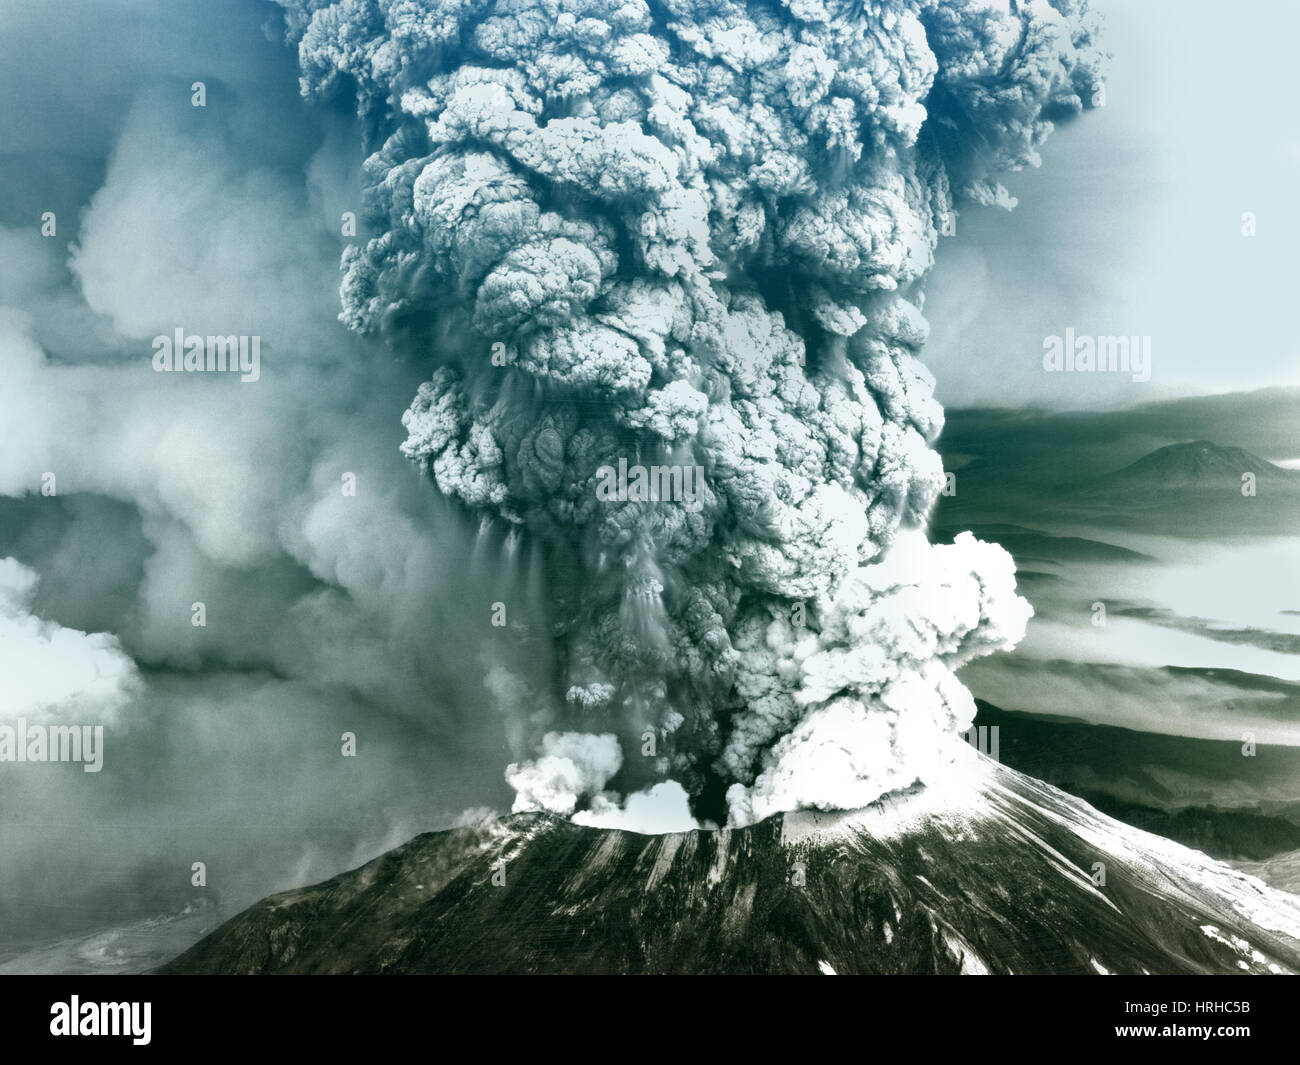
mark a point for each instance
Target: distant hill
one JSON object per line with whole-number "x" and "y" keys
{"x": 1027, "y": 446}
{"x": 1078, "y": 472}
{"x": 1199, "y": 464}
{"x": 1200, "y": 793}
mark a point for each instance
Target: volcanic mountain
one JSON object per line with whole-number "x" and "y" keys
{"x": 989, "y": 871}
{"x": 1195, "y": 465}
{"x": 1189, "y": 489}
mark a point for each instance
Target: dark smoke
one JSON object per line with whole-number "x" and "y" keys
{"x": 696, "y": 233}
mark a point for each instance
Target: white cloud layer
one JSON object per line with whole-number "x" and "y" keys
{"x": 54, "y": 674}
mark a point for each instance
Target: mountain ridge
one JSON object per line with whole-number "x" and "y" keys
{"x": 990, "y": 871}
{"x": 1192, "y": 465}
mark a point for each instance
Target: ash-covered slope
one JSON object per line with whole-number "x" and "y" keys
{"x": 989, "y": 872}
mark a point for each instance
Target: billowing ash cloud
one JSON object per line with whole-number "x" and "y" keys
{"x": 695, "y": 231}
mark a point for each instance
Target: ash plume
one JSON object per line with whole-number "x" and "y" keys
{"x": 694, "y": 233}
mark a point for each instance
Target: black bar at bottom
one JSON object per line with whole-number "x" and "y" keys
{"x": 337, "y": 1014}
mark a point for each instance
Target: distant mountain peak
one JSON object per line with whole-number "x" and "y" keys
{"x": 1196, "y": 470}
{"x": 1196, "y": 463}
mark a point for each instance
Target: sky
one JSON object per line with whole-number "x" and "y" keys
{"x": 1133, "y": 224}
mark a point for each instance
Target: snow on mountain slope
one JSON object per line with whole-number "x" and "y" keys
{"x": 992, "y": 872}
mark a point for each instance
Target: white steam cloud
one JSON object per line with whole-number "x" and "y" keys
{"x": 572, "y": 764}
{"x": 696, "y": 232}
{"x": 52, "y": 673}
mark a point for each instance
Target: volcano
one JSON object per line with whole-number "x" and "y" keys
{"x": 990, "y": 871}
{"x": 1199, "y": 464}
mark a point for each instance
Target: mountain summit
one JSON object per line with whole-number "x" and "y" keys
{"x": 1198, "y": 464}
{"x": 989, "y": 872}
